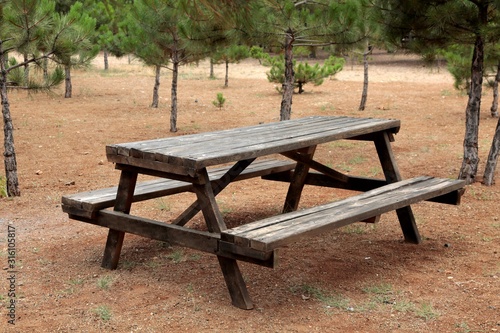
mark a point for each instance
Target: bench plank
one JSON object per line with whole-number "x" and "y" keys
{"x": 270, "y": 233}
{"x": 86, "y": 204}
{"x": 361, "y": 184}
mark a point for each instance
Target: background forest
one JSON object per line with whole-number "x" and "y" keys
{"x": 52, "y": 37}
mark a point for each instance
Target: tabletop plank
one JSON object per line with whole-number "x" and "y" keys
{"x": 181, "y": 144}
{"x": 241, "y": 138}
{"x": 289, "y": 141}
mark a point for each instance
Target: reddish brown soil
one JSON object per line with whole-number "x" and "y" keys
{"x": 363, "y": 278}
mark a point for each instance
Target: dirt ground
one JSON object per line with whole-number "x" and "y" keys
{"x": 361, "y": 278}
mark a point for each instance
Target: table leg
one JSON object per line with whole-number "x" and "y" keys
{"x": 235, "y": 283}
{"x": 123, "y": 203}
{"x": 391, "y": 172}
{"x": 217, "y": 187}
{"x": 297, "y": 182}
{"x": 215, "y": 223}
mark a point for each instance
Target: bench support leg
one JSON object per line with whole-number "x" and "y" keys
{"x": 298, "y": 181}
{"x": 123, "y": 203}
{"x": 215, "y": 223}
{"x": 235, "y": 283}
{"x": 391, "y": 172}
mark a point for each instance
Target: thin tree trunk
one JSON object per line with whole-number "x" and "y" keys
{"x": 173, "y": 112}
{"x": 312, "y": 54}
{"x": 286, "y": 101}
{"x": 9, "y": 154}
{"x": 212, "y": 75}
{"x": 301, "y": 87}
{"x": 45, "y": 63}
{"x": 364, "y": 95}
{"x": 226, "y": 81}
{"x": 470, "y": 161}
{"x": 156, "y": 88}
{"x": 5, "y": 58}
{"x": 106, "y": 61}
{"x": 494, "y": 104}
{"x": 67, "y": 82}
{"x": 26, "y": 71}
{"x": 491, "y": 163}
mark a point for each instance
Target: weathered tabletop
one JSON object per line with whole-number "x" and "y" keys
{"x": 186, "y": 154}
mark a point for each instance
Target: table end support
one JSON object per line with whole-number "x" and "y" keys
{"x": 298, "y": 181}
{"x": 235, "y": 283}
{"x": 392, "y": 174}
{"x": 124, "y": 198}
{"x": 408, "y": 225}
{"x": 113, "y": 249}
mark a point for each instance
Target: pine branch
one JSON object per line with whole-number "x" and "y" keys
{"x": 27, "y": 62}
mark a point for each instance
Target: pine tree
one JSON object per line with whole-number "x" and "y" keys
{"x": 436, "y": 24}
{"x": 227, "y": 55}
{"x": 280, "y": 25}
{"x": 79, "y": 51}
{"x": 155, "y": 37}
{"x": 304, "y": 72}
{"x": 289, "y": 24}
{"x": 27, "y": 27}
{"x": 110, "y": 32}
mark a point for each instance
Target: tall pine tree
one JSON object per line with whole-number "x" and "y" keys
{"x": 158, "y": 40}
{"x": 288, "y": 24}
{"x": 80, "y": 51}
{"x": 279, "y": 25}
{"x": 435, "y": 23}
{"x": 27, "y": 27}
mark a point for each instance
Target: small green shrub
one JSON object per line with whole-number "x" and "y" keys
{"x": 176, "y": 256}
{"x": 219, "y": 102}
{"x": 3, "y": 187}
{"x": 330, "y": 299}
{"x": 426, "y": 311}
{"x": 103, "y": 312}
{"x": 105, "y": 282}
{"x": 163, "y": 205}
{"x": 304, "y": 73}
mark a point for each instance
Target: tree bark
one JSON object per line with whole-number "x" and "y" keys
{"x": 286, "y": 101}
{"x": 67, "y": 82}
{"x": 212, "y": 75}
{"x": 470, "y": 161}
{"x": 5, "y": 57}
{"x": 173, "y": 112}
{"x": 45, "y": 65}
{"x": 364, "y": 94}
{"x": 26, "y": 70}
{"x": 301, "y": 87}
{"x": 226, "y": 80}
{"x": 9, "y": 154}
{"x": 494, "y": 104}
{"x": 491, "y": 163}
{"x": 156, "y": 88}
{"x": 106, "y": 62}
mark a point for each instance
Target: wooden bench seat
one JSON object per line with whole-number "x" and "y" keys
{"x": 270, "y": 233}
{"x": 87, "y": 204}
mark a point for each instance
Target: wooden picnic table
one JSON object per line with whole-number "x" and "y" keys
{"x": 183, "y": 162}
